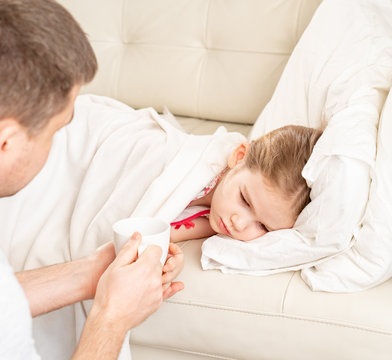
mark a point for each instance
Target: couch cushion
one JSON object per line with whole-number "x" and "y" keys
{"x": 217, "y": 60}
{"x": 276, "y": 317}
{"x": 205, "y": 127}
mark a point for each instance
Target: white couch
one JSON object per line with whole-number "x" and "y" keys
{"x": 214, "y": 62}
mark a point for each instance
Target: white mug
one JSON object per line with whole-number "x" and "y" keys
{"x": 153, "y": 230}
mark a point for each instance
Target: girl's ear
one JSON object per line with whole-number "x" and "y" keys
{"x": 238, "y": 155}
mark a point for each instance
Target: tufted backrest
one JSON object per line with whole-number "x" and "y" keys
{"x": 211, "y": 59}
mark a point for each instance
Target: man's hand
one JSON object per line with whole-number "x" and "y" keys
{"x": 130, "y": 289}
{"x": 99, "y": 261}
{"x": 127, "y": 293}
{"x": 171, "y": 269}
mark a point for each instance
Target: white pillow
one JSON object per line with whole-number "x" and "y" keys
{"x": 337, "y": 77}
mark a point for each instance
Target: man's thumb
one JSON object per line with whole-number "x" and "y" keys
{"x": 128, "y": 253}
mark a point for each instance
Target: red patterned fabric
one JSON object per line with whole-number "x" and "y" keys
{"x": 187, "y": 222}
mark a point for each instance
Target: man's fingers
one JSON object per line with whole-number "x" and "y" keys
{"x": 174, "y": 249}
{"x": 174, "y": 288}
{"x": 128, "y": 254}
{"x": 165, "y": 286}
{"x": 177, "y": 286}
{"x": 169, "y": 265}
{"x": 167, "y": 277}
{"x": 152, "y": 253}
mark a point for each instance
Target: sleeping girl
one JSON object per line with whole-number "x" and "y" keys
{"x": 260, "y": 190}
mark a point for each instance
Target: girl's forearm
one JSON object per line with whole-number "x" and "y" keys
{"x": 201, "y": 229}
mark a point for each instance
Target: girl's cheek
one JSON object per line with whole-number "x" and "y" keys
{"x": 258, "y": 233}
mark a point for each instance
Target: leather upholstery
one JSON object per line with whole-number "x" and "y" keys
{"x": 220, "y": 60}
{"x": 216, "y": 60}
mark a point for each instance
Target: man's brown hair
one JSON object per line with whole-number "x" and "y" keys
{"x": 43, "y": 54}
{"x": 281, "y": 156}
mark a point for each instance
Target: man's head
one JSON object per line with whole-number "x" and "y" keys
{"x": 44, "y": 58}
{"x": 264, "y": 189}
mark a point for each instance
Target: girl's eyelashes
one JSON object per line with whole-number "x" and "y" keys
{"x": 243, "y": 199}
{"x": 259, "y": 224}
{"x": 262, "y": 227}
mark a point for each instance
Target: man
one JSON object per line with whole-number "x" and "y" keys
{"x": 44, "y": 59}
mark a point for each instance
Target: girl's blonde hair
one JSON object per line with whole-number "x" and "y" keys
{"x": 280, "y": 156}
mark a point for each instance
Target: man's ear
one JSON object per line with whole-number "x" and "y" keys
{"x": 9, "y": 129}
{"x": 237, "y": 155}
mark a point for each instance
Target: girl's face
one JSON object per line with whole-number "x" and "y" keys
{"x": 244, "y": 206}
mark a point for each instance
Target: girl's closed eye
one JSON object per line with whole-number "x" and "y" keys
{"x": 243, "y": 199}
{"x": 262, "y": 227}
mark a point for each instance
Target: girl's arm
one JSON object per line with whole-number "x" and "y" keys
{"x": 201, "y": 229}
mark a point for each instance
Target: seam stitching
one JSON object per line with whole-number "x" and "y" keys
{"x": 285, "y": 292}
{"x": 211, "y": 355}
{"x": 299, "y": 13}
{"x": 120, "y": 42}
{"x": 290, "y": 317}
{"x": 122, "y": 50}
{"x": 205, "y": 59}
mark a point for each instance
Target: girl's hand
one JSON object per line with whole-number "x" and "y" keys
{"x": 171, "y": 269}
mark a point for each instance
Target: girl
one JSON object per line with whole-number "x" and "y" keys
{"x": 260, "y": 190}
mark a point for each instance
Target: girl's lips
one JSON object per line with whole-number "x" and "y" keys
{"x": 223, "y": 227}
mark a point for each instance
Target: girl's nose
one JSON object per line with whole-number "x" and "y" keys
{"x": 239, "y": 222}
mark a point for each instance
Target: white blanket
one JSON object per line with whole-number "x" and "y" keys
{"x": 337, "y": 77}
{"x": 111, "y": 162}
